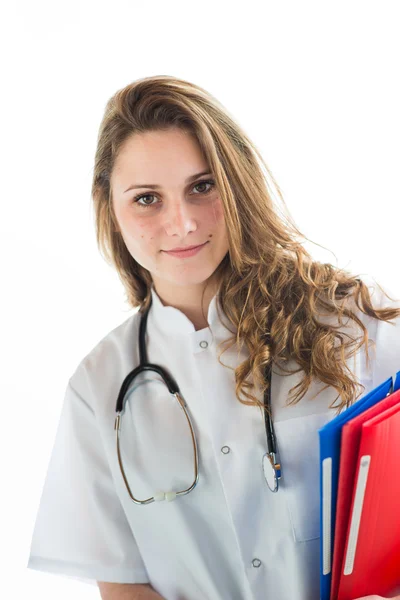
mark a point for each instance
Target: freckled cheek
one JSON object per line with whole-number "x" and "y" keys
{"x": 147, "y": 234}
{"x": 136, "y": 232}
{"x": 147, "y": 231}
{"x": 215, "y": 216}
{"x": 143, "y": 228}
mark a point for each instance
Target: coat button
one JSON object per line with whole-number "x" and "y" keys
{"x": 256, "y": 562}
{"x": 225, "y": 449}
{"x": 203, "y": 344}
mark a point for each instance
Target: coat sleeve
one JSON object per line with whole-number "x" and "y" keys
{"x": 81, "y": 530}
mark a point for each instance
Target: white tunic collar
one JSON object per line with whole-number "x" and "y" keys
{"x": 168, "y": 319}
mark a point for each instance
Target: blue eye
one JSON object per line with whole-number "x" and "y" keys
{"x": 136, "y": 199}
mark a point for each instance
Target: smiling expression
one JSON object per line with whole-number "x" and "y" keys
{"x": 173, "y": 203}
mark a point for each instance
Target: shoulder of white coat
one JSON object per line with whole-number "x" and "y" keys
{"x": 385, "y": 350}
{"x": 107, "y": 362}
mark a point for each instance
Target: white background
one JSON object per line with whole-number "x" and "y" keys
{"x": 314, "y": 84}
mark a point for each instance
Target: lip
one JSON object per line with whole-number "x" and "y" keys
{"x": 184, "y": 248}
{"x": 191, "y": 251}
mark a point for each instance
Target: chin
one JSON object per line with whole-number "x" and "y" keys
{"x": 195, "y": 276}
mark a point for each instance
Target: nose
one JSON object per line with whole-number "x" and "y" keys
{"x": 179, "y": 219}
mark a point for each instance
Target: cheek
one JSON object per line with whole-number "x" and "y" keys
{"x": 137, "y": 233}
{"x": 216, "y": 214}
{"x": 137, "y": 227}
{"x": 147, "y": 234}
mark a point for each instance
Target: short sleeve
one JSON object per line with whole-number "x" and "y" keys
{"x": 386, "y": 335}
{"x": 81, "y": 530}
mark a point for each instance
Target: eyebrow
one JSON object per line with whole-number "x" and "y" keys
{"x": 156, "y": 187}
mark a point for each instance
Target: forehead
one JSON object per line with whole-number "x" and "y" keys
{"x": 157, "y": 149}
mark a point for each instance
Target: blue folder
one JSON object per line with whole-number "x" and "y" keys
{"x": 330, "y": 436}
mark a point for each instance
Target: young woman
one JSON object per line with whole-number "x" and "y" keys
{"x": 164, "y": 494}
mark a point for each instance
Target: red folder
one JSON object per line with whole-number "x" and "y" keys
{"x": 350, "y": 443}
{"x": 370, "y": 522}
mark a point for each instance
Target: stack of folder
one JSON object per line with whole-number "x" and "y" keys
{"x": 360, "y": 497}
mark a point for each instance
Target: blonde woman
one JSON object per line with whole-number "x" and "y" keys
{"x": 165, "y": 494}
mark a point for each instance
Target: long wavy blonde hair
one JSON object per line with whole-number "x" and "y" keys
{"x": 270, "y": 288}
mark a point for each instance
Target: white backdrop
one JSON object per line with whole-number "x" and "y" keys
{"x": 314, "y": 84}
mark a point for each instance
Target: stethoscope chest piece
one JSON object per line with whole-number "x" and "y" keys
{"x": 272, "y": 471}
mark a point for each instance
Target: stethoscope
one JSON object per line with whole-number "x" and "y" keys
{"x": 271, "y": 469}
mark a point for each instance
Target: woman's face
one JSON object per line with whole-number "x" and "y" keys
{"x": 177, "y": 207}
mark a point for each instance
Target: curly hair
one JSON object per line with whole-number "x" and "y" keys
{"x": 270, "y": 288}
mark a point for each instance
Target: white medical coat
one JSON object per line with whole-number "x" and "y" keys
{"x": 231, "y": 538}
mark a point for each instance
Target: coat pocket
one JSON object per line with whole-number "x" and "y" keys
{"x": 298, "y": 449}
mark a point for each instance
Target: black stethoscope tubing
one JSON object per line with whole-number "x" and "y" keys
{"x": 272, "y": 470}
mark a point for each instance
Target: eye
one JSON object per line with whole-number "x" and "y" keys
{"x": 136, "y": 199}
{"x": 211, "y": 183}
